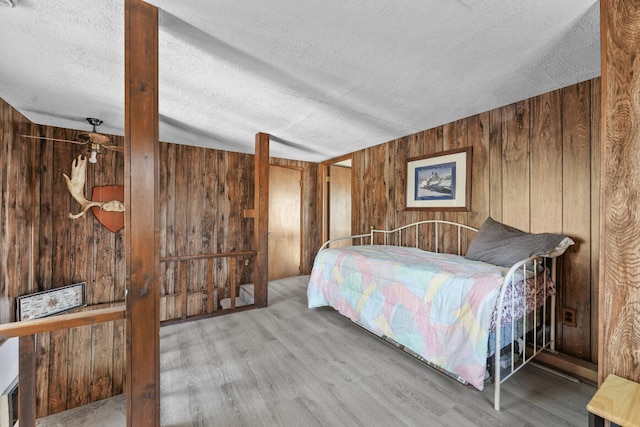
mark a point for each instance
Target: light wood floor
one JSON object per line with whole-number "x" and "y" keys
{"x": 286, "y": 365}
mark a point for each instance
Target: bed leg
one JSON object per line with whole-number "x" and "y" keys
{"x": 496, "y": 375}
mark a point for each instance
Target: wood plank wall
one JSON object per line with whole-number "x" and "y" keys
{"x": 202, "y": 197}
{"x": 535, "y": 167}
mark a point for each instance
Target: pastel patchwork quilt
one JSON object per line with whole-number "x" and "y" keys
{"x": 438, "y": 305}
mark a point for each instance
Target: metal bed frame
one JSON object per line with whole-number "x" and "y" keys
{"x": 543, "y": 323}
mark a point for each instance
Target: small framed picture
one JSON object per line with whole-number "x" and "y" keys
{"x": 440, "y": 181}
{"x": 53, "y": 301}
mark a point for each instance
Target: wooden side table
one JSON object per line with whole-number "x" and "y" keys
{"x": 617, "y": 400}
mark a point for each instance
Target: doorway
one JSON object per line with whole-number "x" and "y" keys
{"x": 285, "y": 221}
{"x": 338, "y": 199}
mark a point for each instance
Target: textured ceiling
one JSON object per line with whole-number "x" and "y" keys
{"x": 323, "y": 77}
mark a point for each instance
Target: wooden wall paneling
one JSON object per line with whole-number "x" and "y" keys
{"x": 169, "y": 208}
{"x": 402, "y": 149}
{"x": 103, "y": 285}
{"x": 194, "y": 231}
{"x": 58, "y": 350}
{"x": 163, "y": 183}
{"x": 595, "y": 214}
{"x": 438, "y": 146}
{"x": 248, "y": 224}
{"x": 79, "y": 363}
{"x": 20, "y": 233}
{"x": 416, "y": 146}
{"x": 42, "y": 345}
{"x": 5, "y": 150}
{"x": 406, "y": 148}
{"x": 222, "y": 202}
{"x": 432, "y": 143}
{"x": 357, "y": 188}
{"x": 62, "y": 206}
{"x": 207, "y": 215}
{"x": 478, "y": 128}
{"x": 45, "y": 261}
{"x": 496, "y": 142}
{"x": 118, "y": 376}
{"x": 375, "y": 188}
{"x": 47, "y": 194}
{"x": 390, "y": 159}
{"x": 236, "y": 237}
{"x": 180, "y": 226}
{"x": 44, "y": 256}
{"x": 33, "y": 174}
{"x": 11, "y": 215}
{"x": 454, "y": 135}
{"x": 220, "y": 224}
{"x": 212, "y": 294}
{"x": 546, "y": 163}
{"x": 81, "y": 254}
{"x": 546, "y": 191}
{"x": 59, "y": 340}
{"x": 515, "y": 167}
{"x": 576, "y": 293}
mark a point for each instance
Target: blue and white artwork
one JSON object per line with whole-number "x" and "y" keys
{"x": 436, "y": 182}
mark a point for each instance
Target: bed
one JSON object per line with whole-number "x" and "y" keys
{"x": 449, "y": 310}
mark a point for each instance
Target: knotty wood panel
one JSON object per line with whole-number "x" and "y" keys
{"x": 531, "y": 170}
{"x": 515, "y": 166}
{"x": 620, "y": 223}
{"x": 576, "y": 209}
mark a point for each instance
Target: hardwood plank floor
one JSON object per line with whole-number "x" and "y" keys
{"x": 286, "y": 365}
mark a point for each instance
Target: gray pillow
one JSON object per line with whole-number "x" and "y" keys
{"x": 500, "y": 244}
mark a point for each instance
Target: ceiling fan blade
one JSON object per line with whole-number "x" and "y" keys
{"x": 53, "y": 139}
{"x": 94, "y": 138}
{"x": 113, "y": 148}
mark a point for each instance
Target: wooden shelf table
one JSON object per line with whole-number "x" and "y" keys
{"x": 617, "y": 400}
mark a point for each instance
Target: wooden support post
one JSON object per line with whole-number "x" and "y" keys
{"x": 619, "y": 294}
{"x": 141, "y": 222}
{"x": 261, "y": 218}
{"x": 27, "y": 381}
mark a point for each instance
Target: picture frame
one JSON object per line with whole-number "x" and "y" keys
{"x": 53, "y": 301}
{"x": 439, "y": 181}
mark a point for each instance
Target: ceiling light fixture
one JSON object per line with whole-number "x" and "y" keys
{"x": 95, "y": 149}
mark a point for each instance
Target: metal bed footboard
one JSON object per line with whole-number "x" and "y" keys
{"x": 541, "y": 315}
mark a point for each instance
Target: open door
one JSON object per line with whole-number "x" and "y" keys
{"x": 285, "y": 204}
